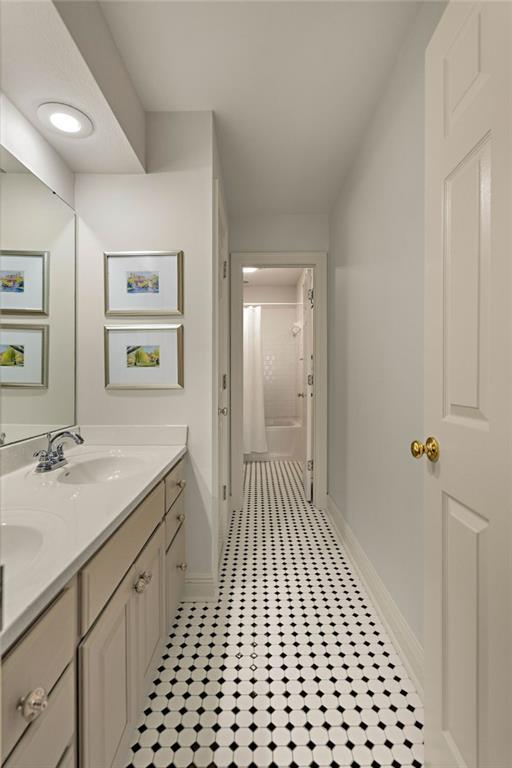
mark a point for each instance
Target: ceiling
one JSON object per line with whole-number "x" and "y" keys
{"x": 276, "y": 276}
{"x": 292, "y": 85}
{"x": 39, "y": 62}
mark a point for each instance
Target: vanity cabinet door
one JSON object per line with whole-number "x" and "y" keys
{"x": 176, "y": 566}
{"x": 47, "y": 738}
{"x": 108, "y": 681}
{"x": 149, "y": 581}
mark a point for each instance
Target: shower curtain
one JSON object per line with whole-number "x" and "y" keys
{"x": 255, "y": 437}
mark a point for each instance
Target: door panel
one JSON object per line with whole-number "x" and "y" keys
{"x": 464, "y": 567}
{"x": 309, "y": 369}
{"x": 150, "y": 605}
{"x": 223, "y": 384}
{"x": 468, "y": 392}
{"x": 467, "y": 233}
{"x": 175, "y": 566}
{"x": 108, "y": 674}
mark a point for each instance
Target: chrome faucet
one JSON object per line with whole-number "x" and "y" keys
{"x": 53, "y": 457}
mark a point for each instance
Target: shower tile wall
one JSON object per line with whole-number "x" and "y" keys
{"x": 280, "y": 349}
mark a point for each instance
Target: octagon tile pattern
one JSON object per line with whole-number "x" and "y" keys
{"x": 291, "y": 666}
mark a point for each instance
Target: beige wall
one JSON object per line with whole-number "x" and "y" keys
{"x": 169, "y": 208}
{"x": 282, "y": 232}
{"x": 376, "y": 331}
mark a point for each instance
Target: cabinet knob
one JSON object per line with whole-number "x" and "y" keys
{"x": 182, "y": 566}
{"x": 180, "y": 518}
{"x": 147, "y": 576}
{"x": 140, "y": 585}
{"x": 33, "y": 704}
{"x": 181, "y": 484}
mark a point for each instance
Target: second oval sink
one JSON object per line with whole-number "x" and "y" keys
{"x": 101, "y": 470}
{"x": 20, "y": 546}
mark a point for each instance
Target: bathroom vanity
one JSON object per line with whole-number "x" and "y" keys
{"x": 84, "y": 632}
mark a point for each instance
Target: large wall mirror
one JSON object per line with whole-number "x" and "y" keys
{"x": 37, "y": 305}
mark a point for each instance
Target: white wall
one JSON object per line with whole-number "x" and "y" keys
{"x": 376, "y": 331}
{"x": 169, "y": 208}
{"x": 32, "y": 218}
{"x": 22, "y": 140}
{"x": 282, "y": 232}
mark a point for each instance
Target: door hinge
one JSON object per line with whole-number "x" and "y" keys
{"x": 311, "y": 296}
{"x": 310, "y": 465}
{"x": 310, "y": 379}
{"x": 224, "y": 269}
{"x": 224, "y": 381}
{"x": 224, "y": 492}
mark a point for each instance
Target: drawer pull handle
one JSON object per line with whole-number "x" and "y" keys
{"x": 140, "y": 585}
{"x": 182, "y": 566}
{"x": 33, "y": 704}
{"x": 181, "y": 484}
{"x": 180, "y": 518}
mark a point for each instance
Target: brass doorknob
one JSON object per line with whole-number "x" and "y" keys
{"x": 430, "y": 447}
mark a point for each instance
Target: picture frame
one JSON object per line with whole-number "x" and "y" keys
{"x": 24, "y": 355}
{"x": 143, "y": 283}
{"x": 24, "y": 282}
{"x": 144, "y": 356}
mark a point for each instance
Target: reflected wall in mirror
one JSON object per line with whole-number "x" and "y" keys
{"x": 37, "y": 305}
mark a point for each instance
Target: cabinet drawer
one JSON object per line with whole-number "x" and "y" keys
{"x": 174, "y": 483}
{"x": 102, "y": 574}
{"x": 174, "y": 518}
{"x": 45, "y": 741}
{"x": 37, "y": 662}
{"x": 174, "y": 560}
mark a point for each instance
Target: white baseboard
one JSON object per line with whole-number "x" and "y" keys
{"x": 402, "y": 636}
{"x": 199, "y": 587}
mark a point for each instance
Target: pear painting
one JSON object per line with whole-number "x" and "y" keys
{"x": 12, "y": 354}
{"x": 146, "y": 356}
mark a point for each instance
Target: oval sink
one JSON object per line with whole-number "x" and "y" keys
{"x": 24, "y": 538}
{"x": 20, "y": 546}
{"x": 101, "y": 470}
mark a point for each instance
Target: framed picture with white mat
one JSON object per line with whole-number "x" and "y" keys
{"x": 144, "y": 357}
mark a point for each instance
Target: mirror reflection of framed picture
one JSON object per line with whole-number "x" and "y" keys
{"x": 144, "y": 357}
{"x": 24, "y": 282}
{"x": 24, "y": 355}
{"x": 144, "y": 283}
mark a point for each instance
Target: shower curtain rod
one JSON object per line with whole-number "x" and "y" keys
{"x": 270, "y": 303}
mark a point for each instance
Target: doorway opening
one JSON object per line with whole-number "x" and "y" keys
{"x": 278, "y": 361}
{"x": 278, "y": 364}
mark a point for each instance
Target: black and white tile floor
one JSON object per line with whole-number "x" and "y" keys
{"x": 291, "y": 666}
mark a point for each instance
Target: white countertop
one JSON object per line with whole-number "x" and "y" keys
{"x": 74, "y": 520}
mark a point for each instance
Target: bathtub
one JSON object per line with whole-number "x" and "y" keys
{"x": 284, "y": 437}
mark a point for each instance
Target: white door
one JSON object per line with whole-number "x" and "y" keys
{"x": 308, "y": 388}
{"x": 223, "y": 383}
{"x": 468, "y": 393}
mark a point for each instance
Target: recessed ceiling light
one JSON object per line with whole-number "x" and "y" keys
{"x": 64, "y": 119}
{"x": 248, "y": 270}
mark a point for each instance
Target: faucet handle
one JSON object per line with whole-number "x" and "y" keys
{"x": 42, "y": 454}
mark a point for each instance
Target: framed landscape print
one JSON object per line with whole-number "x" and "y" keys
{"x": 144, "y": 283}
{"x": 24, "y": 282}
{"x": 144, "y": 357}
{"x": 24, "y": 355}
